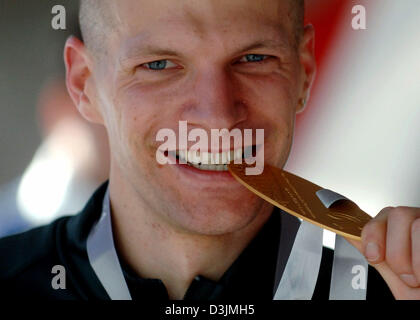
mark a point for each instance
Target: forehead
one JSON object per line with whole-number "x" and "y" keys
{"x": 145, "y": 22}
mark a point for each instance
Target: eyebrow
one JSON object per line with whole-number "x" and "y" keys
{"x": 273, "y": 44}
{"x": 135, "y": 52}
{"x": 150, "y": 50}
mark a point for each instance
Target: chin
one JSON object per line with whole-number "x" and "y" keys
{"x": 218, "y": 217}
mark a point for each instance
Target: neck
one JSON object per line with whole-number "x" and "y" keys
{"x": 154, "y": 249}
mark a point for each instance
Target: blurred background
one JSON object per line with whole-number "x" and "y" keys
{"x": 359, "y": 134}
{"x": 51, "y": 158}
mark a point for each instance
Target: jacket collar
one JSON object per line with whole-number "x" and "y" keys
{"x": 72, "y": 248}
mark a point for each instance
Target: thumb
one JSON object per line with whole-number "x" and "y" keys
{"x": 394, "y": 283}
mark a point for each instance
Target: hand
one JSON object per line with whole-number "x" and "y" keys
{"x": 391, "y": 244}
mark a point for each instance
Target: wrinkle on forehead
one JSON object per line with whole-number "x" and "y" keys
{"x": 126, "y": 18}
{"x": 199, "y": 15}
{"x": 146, "y": 44}
{"x": 206, "y": 20}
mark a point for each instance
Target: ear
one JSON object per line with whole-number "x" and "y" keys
{"x": 79, "y": 79}
{"x": 308, "y": 63}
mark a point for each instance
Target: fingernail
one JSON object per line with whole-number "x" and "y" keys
{"x": 372, "y": 251}
{"x": 410, "y": 280}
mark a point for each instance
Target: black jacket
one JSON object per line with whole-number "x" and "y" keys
{"x": 27, "y": 259}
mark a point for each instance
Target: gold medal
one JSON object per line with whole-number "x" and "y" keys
{"x": 298, "y": 197}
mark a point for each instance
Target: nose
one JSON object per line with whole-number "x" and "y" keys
{"x": 215, "y": 102}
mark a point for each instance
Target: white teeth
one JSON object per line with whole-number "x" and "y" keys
{"x": 248, "y": 151}
{"x": 215, "y": 158}
{"x": 225, "y": 157}
{"x": 216, "y": 161}
{"x": 231, "y": 155}
{"x": 210, "y": 167}
{"x": 194, "y": 157}
{"x": 238, "y": 153}
{"x": 205, "y": 158}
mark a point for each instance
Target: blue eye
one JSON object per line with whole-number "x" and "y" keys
{"x": 253, "y": 58}
{"x": 159, "y": 65}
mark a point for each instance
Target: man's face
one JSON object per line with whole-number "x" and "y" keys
{"x": 217, "y": 64}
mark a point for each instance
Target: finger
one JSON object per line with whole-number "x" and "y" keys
{"x": 398, "y": 287}
{"x": 415, "y": 247}
{"x": 398, "y": 244}
{"x": 374, "y": 237}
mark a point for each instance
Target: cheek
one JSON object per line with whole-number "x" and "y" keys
{"x": 272, "y": 101}
{"x": 142, "y": 114}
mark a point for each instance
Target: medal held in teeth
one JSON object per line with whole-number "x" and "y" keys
{"x": 298, "y": 197}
